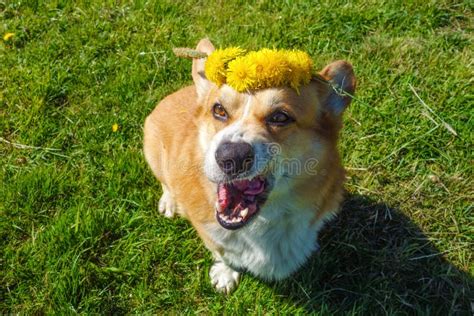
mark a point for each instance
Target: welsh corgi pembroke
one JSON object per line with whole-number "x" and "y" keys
{"x": 257, "y": 173}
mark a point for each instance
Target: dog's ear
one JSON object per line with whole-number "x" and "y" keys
{"x": 202, "y": 84}
{"x": 341, "y": 88}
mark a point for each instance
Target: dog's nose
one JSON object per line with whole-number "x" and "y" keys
{"x": 234, "y": 158}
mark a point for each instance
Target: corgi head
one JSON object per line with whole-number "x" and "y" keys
{"x": 260, "y": 144}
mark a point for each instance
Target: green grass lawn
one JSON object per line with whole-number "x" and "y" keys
{"x": 79, "y": 226}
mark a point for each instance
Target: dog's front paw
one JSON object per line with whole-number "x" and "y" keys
{"x": 167, "y": 205}
{"x": 223, "y": 278}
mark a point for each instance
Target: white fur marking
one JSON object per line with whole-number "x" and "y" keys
{"x": 223, "y": 278}
{"x": 247, "y": 108}
{"x": 167, "y": 205}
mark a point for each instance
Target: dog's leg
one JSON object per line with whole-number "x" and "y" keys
{"x": 223, "y": 278}
{"x": 167, "y": 205}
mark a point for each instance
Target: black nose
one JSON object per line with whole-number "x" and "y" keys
{"x": 234, "y": 158}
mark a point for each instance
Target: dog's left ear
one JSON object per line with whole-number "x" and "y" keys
{"x": 342, "y": 86}
{"x": 200, "y": 81}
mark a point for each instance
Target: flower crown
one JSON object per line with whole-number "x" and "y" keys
{"x": 253, "y": 70}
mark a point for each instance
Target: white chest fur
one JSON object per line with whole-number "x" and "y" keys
{"x": 275, "y": 244}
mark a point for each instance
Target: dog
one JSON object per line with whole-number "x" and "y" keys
{"x": 256, "y": 173}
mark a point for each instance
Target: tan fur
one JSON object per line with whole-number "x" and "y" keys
{"x": 171, "y": 150}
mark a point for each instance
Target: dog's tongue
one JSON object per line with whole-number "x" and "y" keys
{"x": 238, "y": 191}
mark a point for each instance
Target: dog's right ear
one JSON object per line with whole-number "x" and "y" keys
{"x": 200, "y": 81}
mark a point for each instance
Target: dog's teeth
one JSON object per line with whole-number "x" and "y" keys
{"x": 244, "y": 212}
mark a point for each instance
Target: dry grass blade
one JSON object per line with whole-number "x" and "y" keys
{"x": 188, "y": 53}
{"x": 446, "y": 125}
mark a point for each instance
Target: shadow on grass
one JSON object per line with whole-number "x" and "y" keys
{"x": 374, "y": 259}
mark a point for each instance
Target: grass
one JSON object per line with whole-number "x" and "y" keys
{"x": 79, "y": 227}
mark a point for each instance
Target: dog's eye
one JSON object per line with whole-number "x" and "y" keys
{"x": 279, "y": 118}
{"x": 219, "y": 112}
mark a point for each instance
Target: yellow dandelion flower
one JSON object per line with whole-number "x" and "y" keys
{"x": 271, "y": 66}
{"x": 7, "y": 36}
{"x": 241, "y": 74}
{"x": 259, "y": 69}
{"x": 216, "y": 63}
{"x": 300, "y": 64}
{"x": 115, "y": 127}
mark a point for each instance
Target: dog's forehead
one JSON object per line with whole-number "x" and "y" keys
{"x": 303, "y": 103}
{"x": 266, "y": 97}
{"x": 229, "y": 95}
{"x": 272, "y": 96}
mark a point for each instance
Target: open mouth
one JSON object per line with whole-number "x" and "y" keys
{"x": 238, "y": 201}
